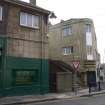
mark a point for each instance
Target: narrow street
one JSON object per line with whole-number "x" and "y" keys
{"x": 92, "y": 100}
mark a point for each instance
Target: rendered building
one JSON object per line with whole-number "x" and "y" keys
{"x": 23, "y": 48}
{"x": 75, "y": 40}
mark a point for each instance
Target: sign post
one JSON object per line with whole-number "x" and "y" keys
{"x": 76, "y": 65}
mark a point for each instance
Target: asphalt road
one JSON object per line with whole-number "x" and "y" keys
{"x": 91, "y": 100}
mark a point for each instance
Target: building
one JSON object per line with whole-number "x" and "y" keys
{"x": 102, "y": 72}
{"x": 23, "y": 48}
{"x": 74, "y": 42}
{"x": 98, "y": 66}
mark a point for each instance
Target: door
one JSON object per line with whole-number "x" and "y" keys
{"x": 64, "y": 82}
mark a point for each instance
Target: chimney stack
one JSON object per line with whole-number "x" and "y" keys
{"x": 33, "y": 2}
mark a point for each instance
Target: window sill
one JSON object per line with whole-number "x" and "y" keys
{"x": 66, "y": 54}
{"x": 67, "y": 35}
{"x": 37, "y": 28}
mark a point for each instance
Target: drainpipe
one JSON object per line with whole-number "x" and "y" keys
{"x": 41, "y": 19}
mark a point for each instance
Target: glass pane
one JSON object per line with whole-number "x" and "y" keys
{"x": 69, "y": 31}
{"x": 29, "y": 20}
{"x": 65, "y": 50}
{"x": 26, "y": 77}
{"x": 35, "y": 21}
{"x": 88, "y": 28}
{"x": 88, "y": 39}
{"x": 0, "y": 13}
{"x": 23, "y": 18}
{"x": 65, "y": 32}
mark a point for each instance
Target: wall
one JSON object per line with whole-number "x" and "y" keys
{"x": 23, "y": 41}
{"x": 24, "y": 49}
{"x": 77, "y": 39}
{"x": 9, "y": 83}
{"x": 3, "y": 23}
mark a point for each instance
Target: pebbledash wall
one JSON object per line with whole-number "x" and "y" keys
{"x": 75, "y": 40}
{"x": 24, "y": 65}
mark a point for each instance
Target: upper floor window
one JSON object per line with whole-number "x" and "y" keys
{"x": 89, "y": 50}
{"x": 1, "y": 9}
{"x": 68, "y": 50}
{"x": 67, "y": 31}
{"x": 88, "y": 28}
{"x": 88, "y": 35}
{"x": 29, "y": 20}
{"x": 88, "y": 39}
{"x": 89, "y": 53}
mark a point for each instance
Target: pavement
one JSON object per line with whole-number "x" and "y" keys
{"x": 16, "y": 100}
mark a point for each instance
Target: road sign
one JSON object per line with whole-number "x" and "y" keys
{"x": 76, "y": 64}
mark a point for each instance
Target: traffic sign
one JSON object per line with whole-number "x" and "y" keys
{"x": 76, "y": 64}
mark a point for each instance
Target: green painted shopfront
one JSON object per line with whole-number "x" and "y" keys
{"x": 23, "y": 48}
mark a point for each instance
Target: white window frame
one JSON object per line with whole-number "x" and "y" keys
{"x": 67, "y": 50}
{"x": 26, "y": 23}
{"x": 22, "y": 13}
{"x": 1, "y": 13}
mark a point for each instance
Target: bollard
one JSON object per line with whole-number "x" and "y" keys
{"x": 89, "y": 89}
{"x": 89, "y": 84}
{"x": 99, "y": 87}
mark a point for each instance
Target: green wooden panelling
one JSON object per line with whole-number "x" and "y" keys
{"x": 15, "y": 63}
{"x": 2, "y": 47}
{"x": 2, "y": 42}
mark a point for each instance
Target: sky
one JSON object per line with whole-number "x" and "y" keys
{"x": 66, "y": 9}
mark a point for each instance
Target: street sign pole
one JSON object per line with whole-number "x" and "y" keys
{"x": 76, "y": 66}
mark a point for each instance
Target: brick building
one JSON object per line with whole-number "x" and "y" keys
{"x": 23, "y": 48}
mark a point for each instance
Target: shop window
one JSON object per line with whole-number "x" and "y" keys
{"x": 25, "y": 77}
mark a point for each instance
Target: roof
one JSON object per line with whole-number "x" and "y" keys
{"x": 71, "y": 21}
{"x": 27, "y": 5}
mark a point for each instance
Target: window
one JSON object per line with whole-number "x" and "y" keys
{"x": 35, "y": 21}
{"x": 29, "y": 20}
{"x": 68, "y": 50}
{"x": 25, "y": 77}
{"x": 88, "y": 35}
{"x": 89, "y": 50}
{"x": 88, "y": 28}
{"x": 88, "y": 39}
{"x": 1, "y": 13}
{"x": 89, "y": 53}
{"x": 89, "y": 57}
{"x": 67, "y": 31}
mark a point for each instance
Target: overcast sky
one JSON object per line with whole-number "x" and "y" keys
{"x": 94, "y": 9}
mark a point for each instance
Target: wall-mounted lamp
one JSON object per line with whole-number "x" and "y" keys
{"x": 52, "y": 15}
